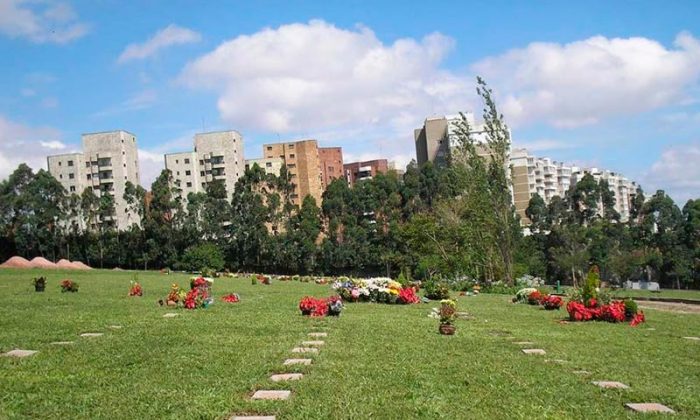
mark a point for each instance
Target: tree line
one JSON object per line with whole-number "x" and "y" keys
{"x": 455, "y": 221}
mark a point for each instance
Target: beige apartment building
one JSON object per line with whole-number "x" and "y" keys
{"x": 623, "y": 189}
{"x": 269, "y": 165}
{"x": 331, "y": 161}
{"x": 109, "y": 160}
{"x": 304, "y": 166}
{"x": 437, "y": 139}
{"x": 217, "y": 156}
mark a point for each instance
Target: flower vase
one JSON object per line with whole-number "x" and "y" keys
{"x": 447, "y": 329}
{"x": 39, "y": 287}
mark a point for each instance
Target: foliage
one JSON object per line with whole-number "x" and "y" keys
{"x": 39, "y": 281}
{"x": 202, "y": 257}
{"x": 436, "y": 290}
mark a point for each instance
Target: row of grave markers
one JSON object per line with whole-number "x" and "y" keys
{"x": 637, "y": 407}
{"x": 307, "y": 347}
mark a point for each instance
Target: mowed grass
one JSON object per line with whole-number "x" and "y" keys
{"x": 379, "y": 361}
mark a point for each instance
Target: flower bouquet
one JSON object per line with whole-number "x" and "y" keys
{"x": 231, "y": 298}
{"x": 68, "y": 285}
{"x": 552, "y": 302}
{"x": 135, "y": 289}
{"x": 448, "y": 314}
{"x": 335, "y": 305}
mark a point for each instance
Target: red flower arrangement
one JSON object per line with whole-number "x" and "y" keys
{"x": 231, "y": 298}
{"x": 612, "y": 312}
{"x": 135, "y": 290}
{"x": 552, "y": 302}
{"x": 638, "y": 319}
{"x": 68, "y": 285}
{"x": 535, "y": 298}
{"x": 407, "y": 295}
{"x": 198, "y": 282}
{"x": 319, "y": 307}
{"x": 307, "y": 304}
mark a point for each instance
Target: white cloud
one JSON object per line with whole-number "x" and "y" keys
{"x": 150, "y": 166}
{"x": 170, "y": 35}
{"x": 138, "y": 101}
{"x": 40, "y": 22}
{"x": 315, "y": 77}
{"x": 20, "y": 143}
{"x": 586, "y": 81}
{"x": 677, "y": 172}
{"x": 53, "y": 145}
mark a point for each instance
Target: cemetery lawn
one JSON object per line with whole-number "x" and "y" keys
{"x": 379, "y": 361}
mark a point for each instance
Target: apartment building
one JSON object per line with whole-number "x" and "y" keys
{"x": 217, "y": 155}
{"x": 547, "y": 178}
{"x": 269, "y": 165}
{"x": 109, "y": 160}
{"x": 623, "y": 189}
{"x": 304, "y": 166}
{"x": 331, "y": 161}
{"x": 358, "y": 171}
{"x": 437, "y": 139}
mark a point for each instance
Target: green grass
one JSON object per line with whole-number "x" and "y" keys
{"x": 664, "y": 293}
{"x": 379, "y": 361}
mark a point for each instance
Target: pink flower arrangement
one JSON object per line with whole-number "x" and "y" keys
{"x": 407, "y": 295}
{"x": 231, "y": 298}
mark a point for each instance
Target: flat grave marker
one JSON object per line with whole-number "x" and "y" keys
{"x": 286, "y": 377}
{"x": 534, "y": 351}
{"x": 91, "y": 335}
{"x": 318, "y": 334}
{"x": 297, "y": 362}
{"x": 649, "y": 408}
{"x": 20, "y": 353}
{"x": 313, "y": 343}
{"x": 304, "y": 350}
{"x": 272, "y": 395}
{"x": 610, "y": 384}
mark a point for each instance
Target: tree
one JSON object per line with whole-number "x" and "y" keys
{"x": 202, "y": 256}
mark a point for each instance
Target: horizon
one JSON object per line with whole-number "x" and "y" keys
{"x": 602, "y": 86}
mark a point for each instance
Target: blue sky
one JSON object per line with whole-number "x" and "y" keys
{"x": 611, "y": 84}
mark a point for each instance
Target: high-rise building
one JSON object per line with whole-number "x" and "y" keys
{"x": 358, "y": 171}
{"x": 439, "y": 136}
{"x": 109, "y": 160}
{"x": 217, "y": 156}
{"x": 331, "y": 161}
{"x": 547, "y": 178}
{"x": 269, "y": 165}
{"x": 304, "y": 166}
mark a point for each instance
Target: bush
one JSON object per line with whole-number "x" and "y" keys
{"x": 436, "y": 290}
{"x": 499, "y": 288}
{"x": 631, "y": 308}
{"x": 204, "y": 256}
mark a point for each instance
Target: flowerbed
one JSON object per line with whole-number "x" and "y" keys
{"x": 320, "y": 307}
{"x": 379, "y": 289}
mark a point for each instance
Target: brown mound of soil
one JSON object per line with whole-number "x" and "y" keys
{"x": 41, "y": 262}
{"x": 67, "y": 265}
{"x": 80, "y": 266}
{"x": 16, "y": 262}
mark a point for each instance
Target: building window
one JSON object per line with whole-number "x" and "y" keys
{"x": 60, "y": 176}
{"x": 178, "y": 173}
{"x": 189, "y": 185}
{"x": 71, "y": 175}
{"x": 201, "y": 173}
{"x": 187, "y": 161}
{"x": 89, "y": 176}
{"x": 204, "y": 184}
{"x": 188, "y": 173}
{"x": 269, "y": 147}
{"x": 177, "y": 161}
{"x": 70, "y": 163}
{"x": 201, "y": 162}
{"x": 268, "y": 165}
{"x": 291, "y": 146}
{"x": 59, "y": 163}
{"x": 291, "y": 155}
{"x": 72, "y": 188}
{"x": 292, "y": 165}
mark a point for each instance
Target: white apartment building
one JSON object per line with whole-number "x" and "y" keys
{"x": 548, "y": 178}
{"x": 623, "y": 188}
{"x": 271, "y": 165}
{"x": 438, "y": 137}
{"x": 216, "y": 156}
{"x": 109, "y": 160}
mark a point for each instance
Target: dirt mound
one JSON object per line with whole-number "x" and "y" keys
{"x": 81, "y": 266}
{"x": 41, "y": 262}
{"x": 16, "y": 262}
{"x": 67, "y": 265}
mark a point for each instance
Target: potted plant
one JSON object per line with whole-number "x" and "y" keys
{"x": 39, "y": 284}
{"x": 335, "y": 305}
{"x": 448, "y": 313}
{"x": 68, "y": 285}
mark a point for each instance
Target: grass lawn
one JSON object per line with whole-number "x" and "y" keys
{"x": 379, "y": 361}
{"x": 664, "y": 293}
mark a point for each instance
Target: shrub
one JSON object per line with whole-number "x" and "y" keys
{"x": 529, "y": 281}
{"x": 631, "y": 308}
{"x": 69, "y": 286}
{"x": 522, "y": 295}
{"x": 436, "y": 290}
{"x": 591, "y": 285}
{"x": 201, "y": 257}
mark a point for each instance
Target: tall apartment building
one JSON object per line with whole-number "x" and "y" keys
{"x": 438, "y": 138}
{"x": 109, "y": 160}
{"x": 534, "y": 175}
{"x": 217, "y": 156}
{"x": 269, "y": 165}
{"x": 623, "y": 188}
{"x": 358, "y": 171}
{"x": 331, "y": 161}
{"x": 304, "y": 166}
